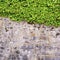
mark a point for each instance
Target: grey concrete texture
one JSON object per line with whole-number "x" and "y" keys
{"x": 23, "y": 41}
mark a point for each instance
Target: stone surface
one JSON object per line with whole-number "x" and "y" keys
{"x": 23, "y": 41}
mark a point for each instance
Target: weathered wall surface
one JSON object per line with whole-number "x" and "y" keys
{"x": 22, "y": 41}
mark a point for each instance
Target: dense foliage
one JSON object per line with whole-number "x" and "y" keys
{"x": 33, "y": 11}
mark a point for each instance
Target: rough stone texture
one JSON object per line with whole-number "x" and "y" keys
{"x": 23, "y": 41}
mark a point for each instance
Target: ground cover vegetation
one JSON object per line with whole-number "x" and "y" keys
{"x": 33, "y": 11}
